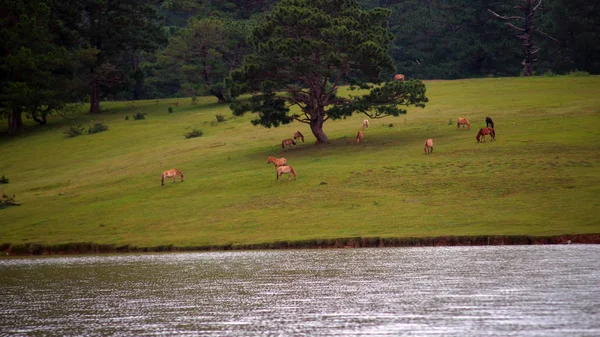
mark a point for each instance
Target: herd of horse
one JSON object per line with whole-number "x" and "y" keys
{"x": 281, "y": 166}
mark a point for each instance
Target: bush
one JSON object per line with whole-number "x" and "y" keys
{"x": 3, "y": 180}
{"x": 97, "y": 127}
{"x": 578, "y": 73}
{"x": 194, "y": 100}
{"x": 193, "y": 134}
{"x": 74, "y": 130}
{"x": 139, "y": 115}
{"x": 6, "y": 201}
{"x": 170, "y": 109}
{"x": 126, "y": 118}
{"x": 220, "y": 118}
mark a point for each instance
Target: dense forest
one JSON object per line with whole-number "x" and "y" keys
{"x": 55, "y": 52}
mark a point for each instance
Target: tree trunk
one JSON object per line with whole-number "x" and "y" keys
{"x": 42, "y": 121}
{"x": 15, "y": 122}
{"x": 316, "y": 126}
{"x": 95, "y": 98}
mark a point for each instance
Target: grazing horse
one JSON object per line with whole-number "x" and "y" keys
{"x": 297, "y": 135}
{"x": 429, "y": 146}
{"x": 286, "y": 169}
{"x": 287, "y": 142}
{"x": 489, "y": 122}
{"x": 365, "y": 124}
{"x": 277, "y": 161}
{"x": 359, "y": 136}
{"x": 483, "y": 132}
{"x": 170, "y": 174}
{"x": 399, "y": 77}
{"x": 463, "y": 122}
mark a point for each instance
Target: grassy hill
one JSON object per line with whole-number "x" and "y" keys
{"x": 540, "y": 177}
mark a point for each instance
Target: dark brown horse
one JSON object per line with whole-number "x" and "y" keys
{"x": 489, "y": 122}
{"x": 483, "y": 132}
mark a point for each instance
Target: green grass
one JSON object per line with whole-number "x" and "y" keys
{"x": 541, "y": 176}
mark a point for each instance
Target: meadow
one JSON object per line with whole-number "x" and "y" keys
{"x": 540, "y": 177}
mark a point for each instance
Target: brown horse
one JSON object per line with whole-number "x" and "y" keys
{"x": 463, "y": 122}
{"x": 483, "y": 132}
{"x": 297, "y": 135}
{"x": 399, "y": 77}
{"x": 286, "y": 169}
{"x": 173, "y": 173}
{"x": 277, "y": 161}
{"x": 359, "y": 136}
{"x": 365, "y": 124}
{"x": 489, "y": 122}
{"x": 287, "y": 142}
{"x": 429, "y": 146}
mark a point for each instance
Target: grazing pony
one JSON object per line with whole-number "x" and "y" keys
{"x": 277, "y": 161}
{"x": 365, "y": 124}
{"x": 285, "y": 169}
{"x": 297, "y": 135}
{"x": 359, "y": 136}
{"x": 489, "y": 122}
{"x": 287, "y": 142}
{"x": 483, "y": 132}
{"x": 399, "y": 77}
{"x": 463, "y": 122}
{"x": 429, "y": 146}
{"x": 173, "y": 173}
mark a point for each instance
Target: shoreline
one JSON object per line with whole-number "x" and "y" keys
{"x": 81, "y": 248}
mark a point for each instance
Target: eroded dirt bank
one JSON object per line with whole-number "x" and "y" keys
{"x": 353, "y": 242}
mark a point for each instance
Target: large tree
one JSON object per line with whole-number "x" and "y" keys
{"x": 305, "y": 49}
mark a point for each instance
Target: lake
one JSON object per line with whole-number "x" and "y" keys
{"x": 546, "y": 290}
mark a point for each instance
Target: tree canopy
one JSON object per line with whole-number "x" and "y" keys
{"x": 303, "y": 51}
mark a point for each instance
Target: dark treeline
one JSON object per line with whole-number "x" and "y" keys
{"x": 54, "y": 52}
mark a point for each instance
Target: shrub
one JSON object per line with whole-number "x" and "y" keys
{"x": 74, "y": 130}
{"x": 549, "y": 73}
{"x": 194, "y": 100}
{"x": 97, "y": 127}
{"x": 578, "y": 73}
{"x": 126, "y": 118}
{"x": 6, "y": 201}
{"x": 450, "y": 122}
{"x": 3, "y": 180}
{"x": 139, "y": 115}
{"x": 193, "y": 134}
{"x": 220, "y": 118}
{"x": 170, "y": 109}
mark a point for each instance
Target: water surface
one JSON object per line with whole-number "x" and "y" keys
{"x": 433, "y": 291}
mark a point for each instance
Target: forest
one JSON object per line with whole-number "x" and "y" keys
{"x": 58, "y": 52}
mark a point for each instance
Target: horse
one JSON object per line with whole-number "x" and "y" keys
{"x": 277, "y": 161}
{"x": 285, "y": 169}
{"x": 399, "y": 77}
{"x": 429, "y": 146}
{"x": 173, "y": 173}
{"x": 488, "y": 122}
{"x": 297, "y": 135}
{"x": 483, "y": 132}
{"x": 365, "y": 124}
{"x": 463, "y": 122}
{"x": 287, "y": 142}
{"x": 359, "y": 136}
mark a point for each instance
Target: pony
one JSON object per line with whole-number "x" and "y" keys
{"x": 489, "y": 122}
{"x": 287, "y": 142}
{"x": 429, "y": 146}
{"x": 173, "y": 173}
{"x": 463, "y": 122}
{"x": 359, "y": 136}
{"x": 277, "y": 161}
{"x": 297, "y": 135}
{"x": 399, "y": 77}
{"x": 285, "y": 169}
{"x": 483, "y": 132}
{"x": 365, "y": 124}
